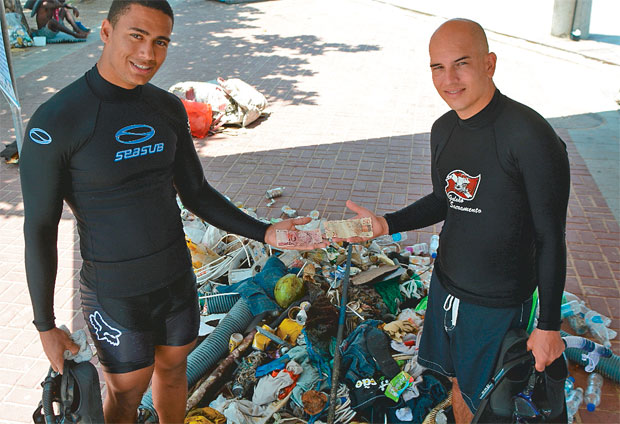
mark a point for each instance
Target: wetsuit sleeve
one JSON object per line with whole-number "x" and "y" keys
{"x": 205, "y": 201}
{"x": 42, "y": 164}
{"x": 428, "y": 210}
{"x": 543, "y": 164}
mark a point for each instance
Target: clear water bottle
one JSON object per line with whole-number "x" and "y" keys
{"x": 398, "y": 237}
{"x": 573, "y": 400}
{"x": 434, "y": 245}
{"x": 569, "y": 385}
{"x": 571, "y": 308}
{"x": 593, "y": 391}
{"x": 391, "y": 238}
{"x": 597, "y": 324}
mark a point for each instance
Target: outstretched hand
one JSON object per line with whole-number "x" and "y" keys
{"x": 379, "y": 224}
{"x": 55, "y": 342}
{"x": 289, "y": 224}
{"x": 546, "y": 346}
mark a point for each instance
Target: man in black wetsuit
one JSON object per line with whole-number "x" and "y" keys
{"x": 500, "y": 183}
{"x": 119, "y": 167}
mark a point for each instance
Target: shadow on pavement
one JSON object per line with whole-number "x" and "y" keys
{"x": 610, "y": 39}
{"x": 217, "y": 51}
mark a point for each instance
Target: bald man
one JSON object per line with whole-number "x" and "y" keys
{"x": 500, "y": 183}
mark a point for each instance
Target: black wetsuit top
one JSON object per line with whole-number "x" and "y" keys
{"x": 118, "y": 158}
{"x": 501, "y": 182}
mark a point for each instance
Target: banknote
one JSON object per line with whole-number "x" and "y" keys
{"x": 348, "y": 228}
{"x": 293, "y": 238}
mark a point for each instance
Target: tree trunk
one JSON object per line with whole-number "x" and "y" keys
{"x": 15, "y": 6}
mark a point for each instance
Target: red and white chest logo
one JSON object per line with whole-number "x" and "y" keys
{"x": 461, "y": 186}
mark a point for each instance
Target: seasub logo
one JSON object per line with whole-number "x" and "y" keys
{"x": 40, "y": 136}
{"x": 135, "y": 134}
{"x": 103, "y": 331}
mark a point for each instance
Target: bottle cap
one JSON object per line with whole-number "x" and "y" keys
{"x": 591, "y": 407}
{"x": 397, "y": 237}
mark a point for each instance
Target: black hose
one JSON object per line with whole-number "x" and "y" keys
{"x": 47, "y": 398}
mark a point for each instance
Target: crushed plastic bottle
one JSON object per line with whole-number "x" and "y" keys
{"x": 573, "y": 400}
{"x": 576, "y": 321}
{"x": 597, "y": 324}
{"x": 593, "y": 391}
{"x": 434, "y": 245}
{"x": 571, "y": 308}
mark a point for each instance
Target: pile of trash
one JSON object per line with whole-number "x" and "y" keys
{"x": 270, "y": 321}
{"x": 212, "y": 104}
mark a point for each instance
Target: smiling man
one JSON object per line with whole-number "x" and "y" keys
{"x": 119, "y": 167}
{"x": 500, "y": 179}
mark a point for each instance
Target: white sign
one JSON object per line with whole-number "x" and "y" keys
{"x": 6, "y": 85}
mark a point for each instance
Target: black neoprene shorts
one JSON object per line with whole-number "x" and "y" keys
{"x": 126, "y": 330}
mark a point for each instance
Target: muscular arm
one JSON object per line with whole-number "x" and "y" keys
{"x": 41, "y": 171}
{"x": 544, "y": 167}
{"x": 205, "y": 201}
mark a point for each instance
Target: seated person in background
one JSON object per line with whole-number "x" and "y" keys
{"x": 69, "y": 13}
{"x": 49, "y": 17}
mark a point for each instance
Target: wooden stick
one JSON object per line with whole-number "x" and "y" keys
{"x": 200, "y": 391}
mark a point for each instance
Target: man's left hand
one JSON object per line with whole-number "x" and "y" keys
{"x": 289, "y": 224}
{"x": 546, "y": 346}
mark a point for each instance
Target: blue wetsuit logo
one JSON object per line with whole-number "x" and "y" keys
{"x": 40, "y": 136}
{"x": 136, "y": 134}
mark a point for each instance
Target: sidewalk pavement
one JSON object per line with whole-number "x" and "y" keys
{"x": 351, "y": 106}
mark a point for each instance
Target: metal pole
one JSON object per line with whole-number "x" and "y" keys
{"x": 341, "y": 324}
{"x": 16, "y": 110}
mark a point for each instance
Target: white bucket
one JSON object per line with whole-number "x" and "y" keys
{"x": 39, "y": 41}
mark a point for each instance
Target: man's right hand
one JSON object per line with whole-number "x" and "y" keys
{"x": 379, "y": 224}
{"x": 55, "y": 342}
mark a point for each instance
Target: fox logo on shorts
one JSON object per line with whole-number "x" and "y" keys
{"x": 461, "y": 186}
{"x": 103, "y": 331}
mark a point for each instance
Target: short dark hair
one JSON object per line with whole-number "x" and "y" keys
{"x": 120, "y": 7}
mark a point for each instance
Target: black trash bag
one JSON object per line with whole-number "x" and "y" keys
{"x": 73, "y": 397}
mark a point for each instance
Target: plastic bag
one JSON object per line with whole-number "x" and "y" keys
{"x": 200, "y": 117}
{"x": 233, "y": 102}
{"x": 18, "y": 35}
{"x": 203, "y": 92}
{"x": 250, "y": 100}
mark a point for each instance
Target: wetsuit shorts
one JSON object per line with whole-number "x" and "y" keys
{"x": 126, "y": 330}
{"x": 463, "y": 340}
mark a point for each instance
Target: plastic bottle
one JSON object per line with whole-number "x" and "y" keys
{"x": 597, "y": 324}
{"x": 391, "y": 238}
{"x": 597, "y": 318}
{"x": 570, "y": 308}
{"x": 593, "y": 391}
{"x": 569, "y": 385}
{"x": 398, "y": 237}
{"x": 573, "y": 400}
{"x": 576, "y": 321}
{"x": 434, "y": 245}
